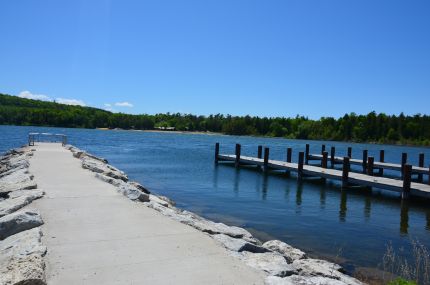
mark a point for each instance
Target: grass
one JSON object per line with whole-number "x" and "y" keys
{"x": 409, "y": 271}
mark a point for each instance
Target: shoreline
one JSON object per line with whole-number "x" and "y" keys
{"x": 278, "y": 261}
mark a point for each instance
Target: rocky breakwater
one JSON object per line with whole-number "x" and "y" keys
{"x": 21, "y": 250}
{"x": 280, "y": 262}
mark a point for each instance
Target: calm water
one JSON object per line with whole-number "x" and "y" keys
{"x": 318, "y": 218}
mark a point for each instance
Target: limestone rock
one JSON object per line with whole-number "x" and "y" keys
{"x": 110, "y": 180}
{"x": 140, "y": 187}
{"x": 238, "y": 245}
{"x": 17, "y": 200}
{"x": 22, "y": 244}
{"x": 289, "y": 252}
{"x": 19, "y": 221}
{"x": 220, "y": 228}
{"x": 106, "y": 169}
{"x": 272, "y": 263}
{"x": 301, "y": 280}
{"x": 133, "y": 193}
{"x": 318, "y": 267}
{"x": 25, "y": 270}
{"x": 157, "y": 200}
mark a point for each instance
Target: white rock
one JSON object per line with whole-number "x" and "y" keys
{"x": 25, "y": 270}
{"x": 301, "y": 280}
{"x": 318, "y": 267}
{"x": 220, "y": 228}
{"x": 19, "y": 221}
{"x": 272, "y": 263}
{"x": 110, "y": 180}
{"x": 157, "y": 200}
{"x": 289, "y": 252}
{"x": 133, "y": 193}
{"x": 22, "y": 244}
{"x": 141, "y": 188}
{"x": 17, "y": 200}
{"x": 237, "y": 244}
{"x": 10, "y": 187}
{"x": 100, "y": 167}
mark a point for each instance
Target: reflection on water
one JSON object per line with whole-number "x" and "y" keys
{"x": 404, "y": 217}
{"x": 314, "y": 216}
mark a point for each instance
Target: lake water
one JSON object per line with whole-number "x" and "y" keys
{"x": 351, "y": 227}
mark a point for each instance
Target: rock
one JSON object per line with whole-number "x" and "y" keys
{"x": 301, "y": 280}
{"x": 18, "y": 176}
{"x": 7, "y": 171}
{"x": 289, "y": 252}
{"x": 106, "y": 169}
{"x": 272, "y": 263}
{"x": 318, "y": 267}
{"x": 22, "y": 244}
{"x": 168, "y": 200}
{"x": 110, "y": 180}
{"x": 25, "y": 270}
{"x": 220, "y": 228}
{"x": 10, "y": 187}
{"x": 19, "y": 221}
{"x": 238, "y": 245}
{"x": 133, "y": 193}
{"x": 140, "y": 187}
{"x": 17, "y": 200}
{"x": 86, "y": 154}
{"x": 157, "y": 200}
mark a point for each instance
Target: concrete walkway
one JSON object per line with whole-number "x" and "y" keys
{"x": 96, "y": 236}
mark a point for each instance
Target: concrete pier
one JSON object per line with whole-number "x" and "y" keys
{"x": 95, "y": 235}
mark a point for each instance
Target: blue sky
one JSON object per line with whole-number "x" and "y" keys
{"x": 267, "y": 58}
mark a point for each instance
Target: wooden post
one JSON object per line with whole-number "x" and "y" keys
{"x": 407, "y": 172}
{"x": 404, "y": 161}
{"x": 381, "y": 159}
{"x": 237, "y": 161}
{"x": 307, "y": 154}
{"x": 259, "y": 155}
{"x": 216, "y": 152}
{"x": 332, "y": 156}
{"x": 260, "y": 151}
{"x": 350, "y": 152}
{"x": 300, "y": 166}
{"x": 324, "y": 159}
{"x": 289, "y": 155}
{"x": 420, "y": 164}
{"x": 322, "y": 148}
{"x": 370, "y": 163}
{"x": 345, "y": 171}
{"x": 266, "y": 159}
{"x": 365, "y": 155}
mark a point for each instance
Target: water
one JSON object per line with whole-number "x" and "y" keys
{"x": 351, "y": 227}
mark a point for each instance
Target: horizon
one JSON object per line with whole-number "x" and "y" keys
{"x": 272, "y": 59}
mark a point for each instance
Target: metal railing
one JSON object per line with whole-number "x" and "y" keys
{"x": 46, "y": 137}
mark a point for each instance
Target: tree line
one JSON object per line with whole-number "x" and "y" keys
{"x": 373, "y": 127}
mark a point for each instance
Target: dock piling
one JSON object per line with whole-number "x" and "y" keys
{"x": 216, "y": 152}
{"x": 350, "y": 152}
{"x": 324, "y": 159}
{"x": 307, "y": 154}
{"x": 332, "y": 156}
{"x": 404, "y": 161}
{"x": 322, "y": 148}
{"x": 381, "y": 159}
{"x": 259, "y": 154}
{"x": 266, "y": 159}
{"x": 237, "y": 161}
{"x": 365, "y": 156}
{"x": 345, "y": 171}
{"x": 300, "y": 166}
{"x": 289, "y": 156}
{"x": 370, "y": 163}
{"x": 420, "y": 164}
{"x": 407, "y": 172}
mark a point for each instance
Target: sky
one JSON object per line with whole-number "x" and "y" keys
{"x": 264, "y": 58}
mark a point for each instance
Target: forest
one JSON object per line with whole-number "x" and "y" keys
{"x": 373, "y": 127}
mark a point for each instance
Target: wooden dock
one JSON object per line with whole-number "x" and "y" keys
{"x": 405, "y": 186}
